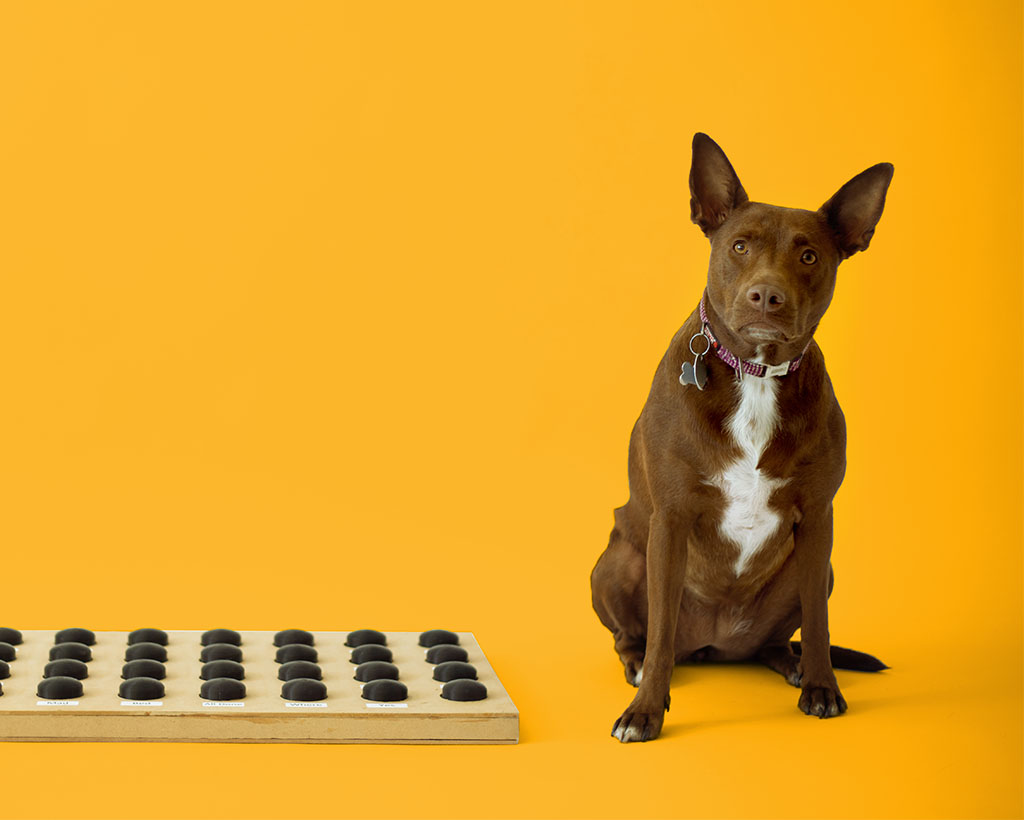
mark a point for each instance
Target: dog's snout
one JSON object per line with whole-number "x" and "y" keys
{"x": 766, "y": 298}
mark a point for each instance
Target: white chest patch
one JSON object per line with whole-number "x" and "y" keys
{"x": 747, "y": 520}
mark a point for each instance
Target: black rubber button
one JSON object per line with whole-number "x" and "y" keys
{"x": 86, "y": 636}
{"x": 7, "y": 652}
{"x": 60, "y": 688}
{"x": 296, "y": 652}
{"x": 147, "y": 636}
{"x": 222, "y": 669}
{"x": 385, "y": 690}
{"x": 454, "y": 670}
{"x": 67, "y": 668}
{"x": 5, "y": 670}
{"x": 141, "y": 689}
{"x": 370, "y": 652}
{"x": 464, "y": 689}
{"x": 221, "y": 652}
{"x": 299, "y": 669}
{"x": 144, "y": 668}
{"x": 364, "y": 636}
{"x": 287, "y": 636}
{"x": 376, "y": 670}
{"x": 146, "y": 651}
{"x": 221, "y": 636}
{"x": 446, "y": 652}
{"x": 222, "y": 689}
{"x": 304, "y": 689}
{"x": 433, "y": 637}
{"x": 11, "y": 636}
{"x": 71, "y": 649}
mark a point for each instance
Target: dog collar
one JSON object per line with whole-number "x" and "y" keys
{"x": 742, "y": 367}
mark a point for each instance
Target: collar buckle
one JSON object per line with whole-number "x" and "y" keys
{"x": 776, "y": 369}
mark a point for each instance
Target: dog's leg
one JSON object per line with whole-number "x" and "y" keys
{"x": 813, "y": 549}
{"x": 782, "y": 659}
{"x": 619, "y": 589}
{"x": 666, "y": 570}
{"x": 631, "y": 653}
{"x": 778, "y": 653}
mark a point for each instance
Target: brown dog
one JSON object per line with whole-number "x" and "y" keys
{"x": 722, "y": 550}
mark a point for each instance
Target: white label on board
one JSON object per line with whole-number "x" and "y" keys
{"x": 223, "y": 704}
{"x": 306, "y": 705}
{"x": 142, "y": 703}
{"x": 56, "y": 703}
{"x": 387, "y": 705}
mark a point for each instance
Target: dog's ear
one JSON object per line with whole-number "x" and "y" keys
{"x": 856, "y": 208}
{"x": 715, "y": 189}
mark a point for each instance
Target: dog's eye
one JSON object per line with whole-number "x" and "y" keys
{"x": 809, "y": 257}
{"x": 739, "y": 246}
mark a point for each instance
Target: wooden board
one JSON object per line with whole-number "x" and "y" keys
{"x": 262, "y": 716}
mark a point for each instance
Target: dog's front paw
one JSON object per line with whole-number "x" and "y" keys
{"x": 823, "y": 701}
{"x": 635, "y": 725}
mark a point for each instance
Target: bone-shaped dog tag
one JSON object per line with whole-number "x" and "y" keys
{"x": 695, "y": 374}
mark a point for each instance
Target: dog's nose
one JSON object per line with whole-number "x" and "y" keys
{"x": 766, "y": 298}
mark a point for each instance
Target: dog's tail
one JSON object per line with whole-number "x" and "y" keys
{"x": 843, "y": 658}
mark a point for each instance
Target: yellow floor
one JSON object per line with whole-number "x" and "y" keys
{"x": 932, "y": 737}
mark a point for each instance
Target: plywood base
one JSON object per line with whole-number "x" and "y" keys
{"x": 262, "y": 716}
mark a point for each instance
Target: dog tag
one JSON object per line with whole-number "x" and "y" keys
{"x": 695, "y": 373}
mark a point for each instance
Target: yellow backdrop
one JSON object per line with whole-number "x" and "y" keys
{"x": 336, "y": 315}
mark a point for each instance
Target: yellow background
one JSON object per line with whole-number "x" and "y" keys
{"x": 336, "y": 315}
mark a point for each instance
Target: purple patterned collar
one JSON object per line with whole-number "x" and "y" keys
{"x": 735, "y": 362}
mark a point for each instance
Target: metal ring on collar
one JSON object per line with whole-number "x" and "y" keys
{"x": 707, "y": 341}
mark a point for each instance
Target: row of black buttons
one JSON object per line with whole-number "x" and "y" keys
{"x": 68, "y": 666}
{"x": 9, "y": 638}
{"x": 223, "y": 672}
